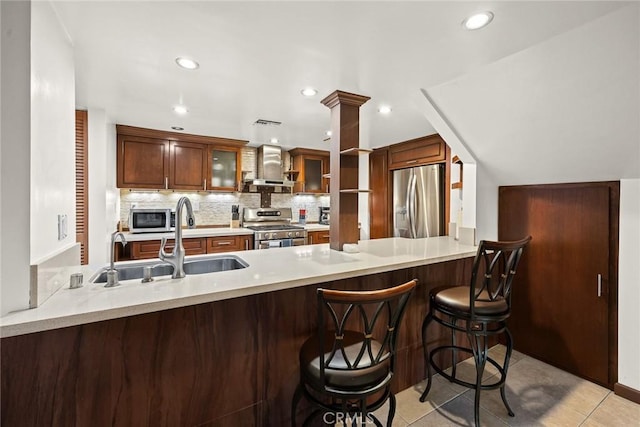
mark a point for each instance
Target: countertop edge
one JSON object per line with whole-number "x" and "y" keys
{"x": 49, "y": 323}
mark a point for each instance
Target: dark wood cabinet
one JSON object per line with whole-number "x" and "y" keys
{"x": 149, "y": 248}
{"x": 379, "y": 218}
{"x": 565, "y": 294}
{"x": 317, "y": 237}
{"x": 417, "y": 152}
{"x": 312, "y": 168}
{"x": 229, "y": 243}
{"x": 142, "y": 162}
{"x": 154, "y": 159}
{"x": 188, "y": 166}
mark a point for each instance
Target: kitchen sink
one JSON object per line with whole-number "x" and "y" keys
{"x": 211, "y": 264}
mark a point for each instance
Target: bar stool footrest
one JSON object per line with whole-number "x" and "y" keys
{"x": 440, "y": 371}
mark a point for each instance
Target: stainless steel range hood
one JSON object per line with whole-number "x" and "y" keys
{"x": 269, "y": 168}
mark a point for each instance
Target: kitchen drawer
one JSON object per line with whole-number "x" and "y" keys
{"x": 317, "y": 237}
{"x": 150, "y": 248}
{"x": 229, "y": 243}
{"x": 420, "y": 151}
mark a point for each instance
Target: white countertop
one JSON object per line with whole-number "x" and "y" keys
{"x": 269, "y": 270}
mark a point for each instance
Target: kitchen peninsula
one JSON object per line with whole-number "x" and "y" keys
{"x": 211, "y": 348}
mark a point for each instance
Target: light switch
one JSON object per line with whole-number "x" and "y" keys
{"x": 62, "y": 226}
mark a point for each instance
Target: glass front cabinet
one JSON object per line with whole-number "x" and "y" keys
{"x": 224, "y": 168}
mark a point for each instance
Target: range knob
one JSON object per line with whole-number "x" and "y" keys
{"x": 297, "y": 234}
{"x": 267, "y": 235}
{"x": 289, "y": 234}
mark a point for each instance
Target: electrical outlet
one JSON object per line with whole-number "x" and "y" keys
{"x": 62, "y": 226}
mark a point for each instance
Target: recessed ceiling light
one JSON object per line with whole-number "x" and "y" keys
{"x": 187, "y": 63}
{"x": 384, "y": 109}
{"x": 274, "y": 140}
{"x": 180, "y": 109}
{"x": 477, "y": 21}
{"x": 177, "y": 128}
{"x": 328, "y": 133}
{"x": 309, "y": 91}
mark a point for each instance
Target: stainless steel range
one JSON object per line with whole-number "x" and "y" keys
{"x": 273, "y": 228}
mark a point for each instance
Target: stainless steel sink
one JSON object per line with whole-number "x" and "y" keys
{"x": 211, "y": 264}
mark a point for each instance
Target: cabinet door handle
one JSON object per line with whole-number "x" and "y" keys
{"x": 166, "y": 182}
{"x": 411, "y": 161}
{"x": 246, "y": 244}
{"x": 599, "y": 285}
{"x": 310, "y": 239}
{"x": 326, "y": 236}
{"x": 224, "y": 243}
{"x": 205, "y": 185}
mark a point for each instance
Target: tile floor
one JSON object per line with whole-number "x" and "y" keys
{"x": 539, "y": 394}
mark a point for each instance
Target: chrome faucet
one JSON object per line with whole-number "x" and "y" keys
{"x": 176, "y": 258}
{"x": 112, "y": 273}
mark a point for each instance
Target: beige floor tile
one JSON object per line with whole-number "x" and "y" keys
{"x": 497, "y": 353}
{"x": 411, "y": 409}
{"x": 383, "y": 413}
{"x": 458, "y": 412}
{"x": 614, "y": 411}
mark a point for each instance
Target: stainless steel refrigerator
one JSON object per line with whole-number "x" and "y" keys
{"x": 418, "y": 201}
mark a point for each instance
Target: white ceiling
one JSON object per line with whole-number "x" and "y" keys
{"x": 255, "y": 57}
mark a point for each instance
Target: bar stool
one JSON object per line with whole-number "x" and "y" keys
{"x": 352, "y": 355}
{"x": 480, "y": 311}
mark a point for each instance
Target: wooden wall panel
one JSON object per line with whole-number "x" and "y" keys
{"x": 232, "y": 362}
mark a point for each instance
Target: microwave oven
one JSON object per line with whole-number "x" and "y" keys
{"x": 151, "y": 220}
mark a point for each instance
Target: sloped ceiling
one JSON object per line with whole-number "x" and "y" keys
{"x": 564, "y": 110}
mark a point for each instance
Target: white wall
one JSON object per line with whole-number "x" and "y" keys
{"x": 15, "y": 155}
{"x": 629, "y": 284}
{"x": 103, "y": 195}
{"x": 52, "y": 133}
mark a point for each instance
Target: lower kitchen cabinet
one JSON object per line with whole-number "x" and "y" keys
{"x": 229, "y": 243}
{"x": 150, "y": 248}
{"x": 317, "y": 237}
{"x": 193, "y": 246}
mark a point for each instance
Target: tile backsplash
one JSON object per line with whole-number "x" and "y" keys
{"x": 215, "y": 208}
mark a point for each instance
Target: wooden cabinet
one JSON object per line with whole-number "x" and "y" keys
{"x": 148, "y": 158}
{"x": 229, "y": 243}
{"x": 146, "y": 249}
{"x": 224, "y": 171}
{"x": 417, "y": 152}
{"x": 565, "y": 293}
{"x": 150, "y": 248}
{"x": 379, "y": 218}
{"x": 142, "y": 162}
{"x": 187, "y": 166}
{"x": 312, "y": 167}
{"x": 317, "y": 237}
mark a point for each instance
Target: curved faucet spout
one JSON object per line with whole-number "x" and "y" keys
{"x": 112, "y": 274}
{"x": 176, "y": 258}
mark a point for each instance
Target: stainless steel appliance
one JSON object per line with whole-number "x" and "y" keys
{"x": 151, "y": 220}
{"x": 324, "y": 215}
{"x": 418, "y": 201}
{"x": 269, "y": 160}
{"x": 272, "y": 227}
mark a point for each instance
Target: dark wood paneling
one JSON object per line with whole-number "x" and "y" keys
{"x": 149, "y": 248}
{"x": 379, "y": 218}
{"x": 558, "y": 316}
{"x": 232, "y": 362}
{"x": 317, "y": 237}
{"x": 417, "y": 152}
{"x": 142, "y": 162}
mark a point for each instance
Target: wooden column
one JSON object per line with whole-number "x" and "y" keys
{"x": 345, "y": 135}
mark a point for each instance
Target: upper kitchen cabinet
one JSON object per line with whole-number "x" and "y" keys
{"x": 416, "y": 152}
{"x": 142, "y": 162}
{"x": 159, "y": 160}
{"x": 312, "y": 167}
{"x": 224, "y": 168}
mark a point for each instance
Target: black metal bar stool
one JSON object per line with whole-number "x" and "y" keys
{"x": 480, "y": 311}
{"x": 351, "y": 358}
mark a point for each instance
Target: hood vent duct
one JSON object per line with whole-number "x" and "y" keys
{"x": 269, "y": 168}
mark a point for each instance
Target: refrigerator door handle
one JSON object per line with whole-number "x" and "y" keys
{"x": 412, "y": 206}
{"x": 408, "y": 205}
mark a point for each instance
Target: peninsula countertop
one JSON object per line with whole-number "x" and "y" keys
{"x": 269, "y": 270}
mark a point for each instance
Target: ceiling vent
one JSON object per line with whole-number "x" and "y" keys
{"x": 267, "y": 122}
